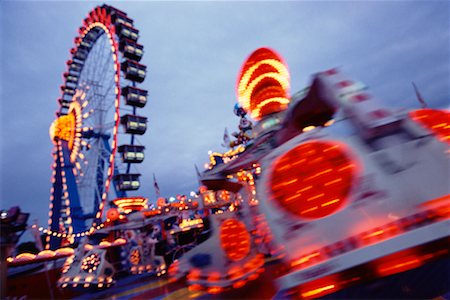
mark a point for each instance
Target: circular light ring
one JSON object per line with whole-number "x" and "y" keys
{"x": 90, "y": 263}
{"x": 266, "y": 91}
{"x": 261, "y": 54}
{"x": 271, "y": 105}
{"x": 256, "y": 96}
{"x": 234, "y": 239}
{"x": 277, "y": 71}
{"x": 261, "y": 67}
{"x": 434, "y": 120}
{"x": 314, "y": 179}
{"x": 265, "y": 68}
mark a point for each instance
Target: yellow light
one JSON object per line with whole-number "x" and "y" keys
{"x": 308, "y": 128}
{"x": 318, "y": 291}
{"x": 257, "y": 111}
{"x": 272, "y": 62}
{"x": 329, "y": 123}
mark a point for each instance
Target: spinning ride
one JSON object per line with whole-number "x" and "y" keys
{"x": 104, "y": 65}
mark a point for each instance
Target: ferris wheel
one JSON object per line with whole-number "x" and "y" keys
{"x": 93, "y": 154}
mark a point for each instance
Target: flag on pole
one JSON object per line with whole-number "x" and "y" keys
{"x": 198, "y": 173}
{"x": 155, "y": 184}
{"x": 226, "y": 139}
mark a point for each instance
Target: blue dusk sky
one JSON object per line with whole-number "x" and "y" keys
{"x": 193, "y": 51}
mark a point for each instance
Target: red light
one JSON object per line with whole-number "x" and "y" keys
{"x": 113, "y": 214}
{"x": 314, "y": 179}
{"x": 195, "y": 288}
{"x": 215, "y": 290}
{"x": 398, "y": 264}
{"x": 437, "y": 121}
{"x": 234, "y": 239}
{"x": 194, "y": 274}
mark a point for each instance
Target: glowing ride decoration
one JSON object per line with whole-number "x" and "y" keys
{"x": 90, "y": 263}
{"x": 130, "y": 204}
{"x": 135, "y": 257}
{"x": 313, "y": 179}
{"x": 263, "y": 84}
{"x": 234, "y": 239}
{"x": 226, "y": 157}
{"x": 190, "y": 223}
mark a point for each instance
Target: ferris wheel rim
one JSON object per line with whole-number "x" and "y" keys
{"x": 114, "y": 53}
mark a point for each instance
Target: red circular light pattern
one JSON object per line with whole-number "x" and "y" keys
{"x": 113, "y": 214}
{"x": 263, "y": 84}
{"x": 314, "y": 179}
{"x": 437, "y": 121}
{"x": 235, "y": 239}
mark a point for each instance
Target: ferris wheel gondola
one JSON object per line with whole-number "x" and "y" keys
{"x": 104, "y": 66}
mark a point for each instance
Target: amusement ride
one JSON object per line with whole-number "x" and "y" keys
{"x": 327, "y": 182}
{"x": 102, "y": 73}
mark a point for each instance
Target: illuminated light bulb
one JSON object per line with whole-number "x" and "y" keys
{"x": 308, "y": 128}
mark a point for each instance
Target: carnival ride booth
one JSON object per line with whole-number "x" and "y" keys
{"x": 228, "y": 258}
{"x": 123, "y": 247}
{"x": 360, "y": 200}
{"x": 92, "y": 265}
{"x": 98, "y": 263}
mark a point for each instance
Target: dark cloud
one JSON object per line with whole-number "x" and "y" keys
{"x": 194, "y": 51}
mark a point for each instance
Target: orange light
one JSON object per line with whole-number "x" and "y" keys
{"x": 239, "y": 284}
{"x": 441, "y": 200}
{"x": 253, "y": 276}
{"x": 195, "y": 288}
{"x": 194, "y": 274}
{"x": 436, "y": 121}
{"x": 214, "y": 276}
{"x": 214, "y": 290}
{"x": 234, "y": 239}
{"x": 235, "y": 272}
{"x": 313, "y": 179}
{"x": 64, "y": 128}
{"x": 130, "y": 204}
